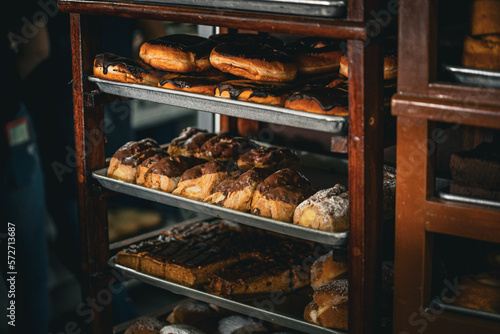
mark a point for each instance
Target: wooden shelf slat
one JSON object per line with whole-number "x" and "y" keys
{"x": 264, "y": 22}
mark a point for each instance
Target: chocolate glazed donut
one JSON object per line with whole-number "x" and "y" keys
{"x": 254, "y": 61}
{"x": 178, "y": 53}
{"x": 315, "y": 55}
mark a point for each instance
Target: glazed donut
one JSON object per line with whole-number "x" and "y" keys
{"x": 271, "y": 41}
{"x": 254, "y": 61}
{"x": 178, "y": 53}
{"x": 113, "y": 67}
{"x": 390, "y": 67}
{"x": 328, "y": 101}
{"x": 259, "y": 92}
{"x": 315, "y": 55}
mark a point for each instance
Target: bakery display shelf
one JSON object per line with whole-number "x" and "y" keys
{"x": 272, "y": 309}
{"x": 321, "y": 8}
{"x": 334, "y": 239}
{"x": 248, "y": 110}
{"x": 447, "y": 307}
{"x": 473, "y": 76}
{"x": 445, "y": 194}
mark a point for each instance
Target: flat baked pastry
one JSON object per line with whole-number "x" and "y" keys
{"x": 124, "y": 163}
{"x": 199, "y": 182}
{"x": 324, "y": 100}
{"x": 110, "y": 66}
{"x": 198, "y": 82}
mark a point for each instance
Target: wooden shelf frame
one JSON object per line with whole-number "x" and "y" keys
{"x": 419, "y": 104}
{"x": 365, "y": 149}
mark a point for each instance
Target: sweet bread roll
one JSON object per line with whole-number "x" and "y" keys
{"x": 315, "y": 55}
{"x": 481, "y": 292}
{"x": 485, "y": 17}
{"x": 123, "y": 164}
{"x": 200, "y": 83}
{"x": 178, "y": 53}
{"x": 166, "y": 173}
{"x": 239, "y": 324}
{"x": 327, "y": 268}
{"x": 390, "y": 66}
{"x": 146, "y": 164}
{"x": 252, "y": 91}
{"x": 330, "y": 305}
{"x": 482, "y": 52}
{"x": 242, "y": 39}
{"x": 326, "y": 210}
{"x": 236, "y": 192}
{"x": 189, "y": 141}
{"x": 282, "y": 177}
{"x": 254, "y": 61}
{"x": 180, "y": 329}
{"x": 199, "y": 182}
{"x": 328, "y": 101}
{"x": 272, "y": 158}
{"x": 145, "y": 325}
{"x": 279, "y": 203}
{"x": 224, "y": 147}
{"x": 195, "y": 313}
{"x": 113, "y": 67}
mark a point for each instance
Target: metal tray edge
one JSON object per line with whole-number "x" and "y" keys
{"x": 467, "y": 311}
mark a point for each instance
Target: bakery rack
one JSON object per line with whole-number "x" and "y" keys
{"x": 365, "y": 133}
{"x": 421, "y": 213}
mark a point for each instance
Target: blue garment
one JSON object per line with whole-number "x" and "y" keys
{"x": 22, "y": 202}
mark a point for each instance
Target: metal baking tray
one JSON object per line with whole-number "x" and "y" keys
{"x": 444, "y": 193}
{"x": 271, "y": 309}
{"x": 474, "y": 77}
{"x": 321, "y": 8}
{"x": 467, "y": 311}
{"x": 302, "y": 232}
{"x": 248, "y": 110}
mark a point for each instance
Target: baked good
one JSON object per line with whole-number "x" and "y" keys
{"x": 329, "y": 307}
{"x": 272, "y": 93}
{"x": 200, "y": 82}
{"x": 326, "y": 210}
{"x": 254, "y": 61}
{"x": 239, "y": 324}
{"x": 390, "y": 65}
{"x": 327, "y": 268}
{"x": 282, "y": 177}
{"x": 224, "y": 147}
{"x": 315, "y": 55}
{"x": 166, "y": 173}
{"x": 324, "y": 100}
{"x": 195, "y": 313}
{"x": 485, "y": 17}
{"x": 199, "y": 182}
{"x": 272, "y": 158}
{"x": 180, "y": 329}
{"x": 280, "y": 203}
{"x": 236, "y": 192}
{"x": 145, "y": 325}
{"x": 475, "y": 172}
{"x": 481, "y": 292}
{"x": 250, "y": 280}
{"x": 247, "y": 38}
{"x": 131, "y": 256}
{"x": 189, "y": 141}
{"x": 123, "y": 164}
{"x": 178, "y": 53}
{"x": 482, "y": 52}
{"x": 146, "y": 164}
{"x": 110, "y": 66}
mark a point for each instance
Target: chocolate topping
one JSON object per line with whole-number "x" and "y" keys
{"x": 135, "y": 67}
{"x": 283, "y": 177}
{"x": 259, "y": 89}
{"x": 185, "y": 135}
{"x": 253, "y": 51}
{"x": 212, "y": 167}
{"x": 242, "y": 180}
{"x": 313, "y": 45}
{"x": 174, "y": 166}
{"x": 137, "y": 159}
{"x": 327, "y": 98}
{"x": 289, "y": 194}
{"x": 268, "y": 155}
{"x": 154, "y": 158}
{"x": 225, "y": 146}
{"x": 199, "y": 46}
{"x": 189, "y": 81}
{"x": 133, "y": 147}
{"x": 247, "y": 39}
